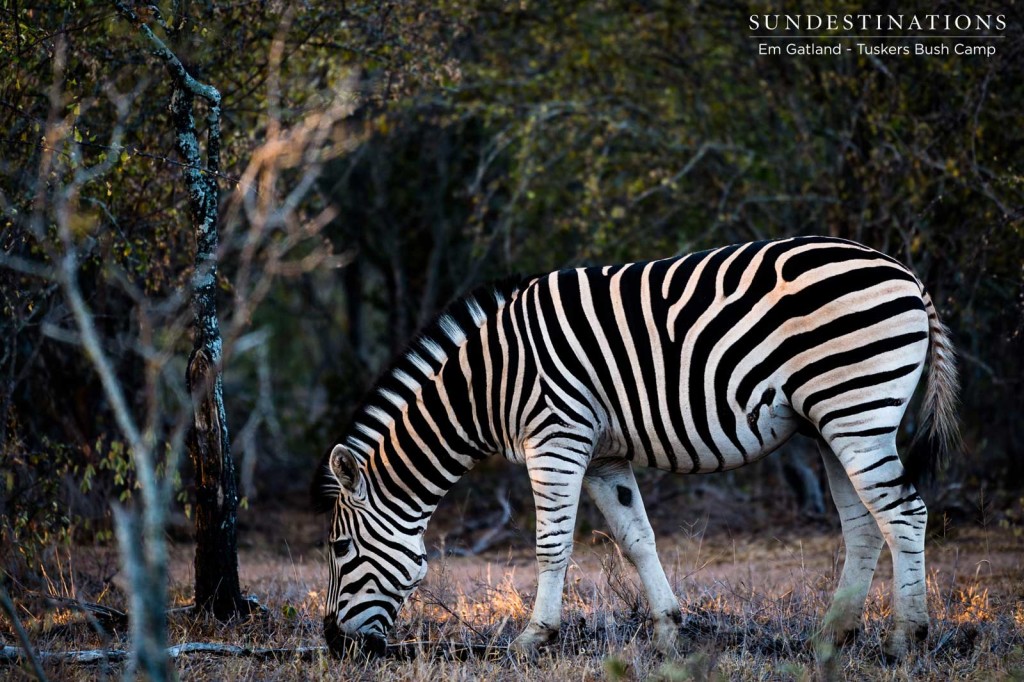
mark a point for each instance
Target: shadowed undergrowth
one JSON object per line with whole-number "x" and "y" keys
{"x": 751, "y": 612}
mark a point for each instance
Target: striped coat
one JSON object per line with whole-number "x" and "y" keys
{"x": 695, "y": 364}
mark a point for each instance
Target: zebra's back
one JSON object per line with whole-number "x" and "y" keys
{"x": 712, "y": 360}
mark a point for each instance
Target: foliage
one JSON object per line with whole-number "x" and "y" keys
{"x": 583, "y": 133}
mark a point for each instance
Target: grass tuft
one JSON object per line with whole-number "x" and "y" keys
{"x": 753, "y": 610}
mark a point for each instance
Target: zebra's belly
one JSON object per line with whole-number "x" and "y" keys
{"x": 760, "y": 432}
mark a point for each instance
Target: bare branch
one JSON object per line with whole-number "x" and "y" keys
{"x": 27, "y": 652}
{"x": 178, "y": 71}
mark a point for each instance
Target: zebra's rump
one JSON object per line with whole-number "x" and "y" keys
{"x": 712, "y": 360}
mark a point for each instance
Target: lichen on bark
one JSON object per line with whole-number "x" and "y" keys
{"x": 216, "y": 563}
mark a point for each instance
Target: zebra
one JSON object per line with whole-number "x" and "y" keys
{"x": 694, "y": 364}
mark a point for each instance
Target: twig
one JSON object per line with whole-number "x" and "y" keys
{"x": 434, "y": 601}
{"x": 133, "y": 150}
{"x": 178, "y": 70}
{"x": 410, "y": 650}
{"x": 104, "y": 616}
{"x": 27, "y": 651}
{"x": 982, "y": 365}
{"x": 498, "y": 529}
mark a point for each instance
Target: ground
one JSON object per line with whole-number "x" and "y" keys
{"x": 752, "y": 602}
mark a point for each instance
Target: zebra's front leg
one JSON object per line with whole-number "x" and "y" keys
{"x": 556, "y": 477}
{"x": 613, "y": 487}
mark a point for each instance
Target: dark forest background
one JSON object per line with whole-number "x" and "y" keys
{"x": 480, "y": 139}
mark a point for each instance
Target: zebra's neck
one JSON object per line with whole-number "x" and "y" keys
{"x": 432, "y": 416}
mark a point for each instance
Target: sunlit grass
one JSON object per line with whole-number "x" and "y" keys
{"x": 752, "y": 611}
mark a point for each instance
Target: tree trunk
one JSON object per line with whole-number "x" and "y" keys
{"x": 216, "y": 508}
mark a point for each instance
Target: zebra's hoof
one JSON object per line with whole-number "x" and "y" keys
{"x": 842, "y": 626}
{"x": 533, "y": 638}
{"x": 846, "y": 636}
{"x": 894, "y": 648}
{"x": 899, "y": 640}
{"x": 666, "y": 635}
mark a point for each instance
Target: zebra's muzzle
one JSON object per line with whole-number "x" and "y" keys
{"x": 342, "y": 644}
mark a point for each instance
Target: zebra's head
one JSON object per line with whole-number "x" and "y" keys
{"x": 373, "y": 565}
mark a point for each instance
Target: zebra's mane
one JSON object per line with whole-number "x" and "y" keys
{"x": 423, "y": 356}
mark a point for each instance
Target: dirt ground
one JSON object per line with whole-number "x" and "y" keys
{"x": 768, "y": 549}
{"x": 752, "y": 603}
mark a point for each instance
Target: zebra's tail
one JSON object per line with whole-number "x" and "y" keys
{"x": 937, "y": 432}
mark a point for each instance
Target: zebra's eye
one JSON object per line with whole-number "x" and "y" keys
{"x": 340, "y": 547}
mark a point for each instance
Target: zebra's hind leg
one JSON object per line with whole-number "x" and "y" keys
{"x": 556, "y": 476}
{"x": 613, "y": 487}
{"x": 863, "y": 543}
{"x": 875, "y": 470}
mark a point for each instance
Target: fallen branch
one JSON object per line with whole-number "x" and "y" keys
{"x": 400, "y": 651}
{"x": 103, "y": 617}
{"x": 497, "y": 529}
{"x": 13, "y": 654}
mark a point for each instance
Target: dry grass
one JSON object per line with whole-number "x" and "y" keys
{"x": 751, "y": 605}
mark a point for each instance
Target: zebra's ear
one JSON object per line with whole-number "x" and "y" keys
{"x": 338, "y": 470}
{"x": 345, "y": 467}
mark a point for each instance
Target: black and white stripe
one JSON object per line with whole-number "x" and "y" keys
{"x": 695, "y": 364}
